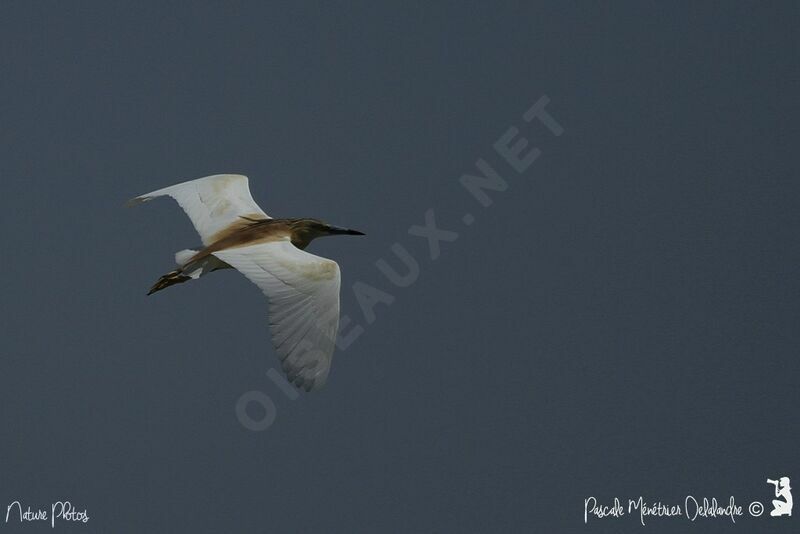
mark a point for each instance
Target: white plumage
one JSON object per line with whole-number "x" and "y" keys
{"x": 212, "y": 203}
{"x": 303, "y": 294}
{"x": 302, "y": 289}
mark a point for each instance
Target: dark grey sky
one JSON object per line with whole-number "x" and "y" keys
{"x": 622, "y": 321}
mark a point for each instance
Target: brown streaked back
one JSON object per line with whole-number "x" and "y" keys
{"x": 252, "y": 231}
{"x": 244, "y": 233}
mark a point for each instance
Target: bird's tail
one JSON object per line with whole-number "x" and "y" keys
{"x": 169, "y": 279}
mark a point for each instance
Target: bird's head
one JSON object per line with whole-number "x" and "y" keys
{"x": 306, "y": 230}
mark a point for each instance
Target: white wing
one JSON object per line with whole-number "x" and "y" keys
{"x": 303, "y": 294}
{"x": 213, "y": 203}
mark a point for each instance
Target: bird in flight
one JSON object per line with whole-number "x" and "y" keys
{"x": 302, "y": 289}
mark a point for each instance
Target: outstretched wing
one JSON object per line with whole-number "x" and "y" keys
{"x": 303, "y": 294}
{"x": 215, "y": 204}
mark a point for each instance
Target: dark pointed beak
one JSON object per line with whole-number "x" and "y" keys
{"x": 337, "y": 230}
